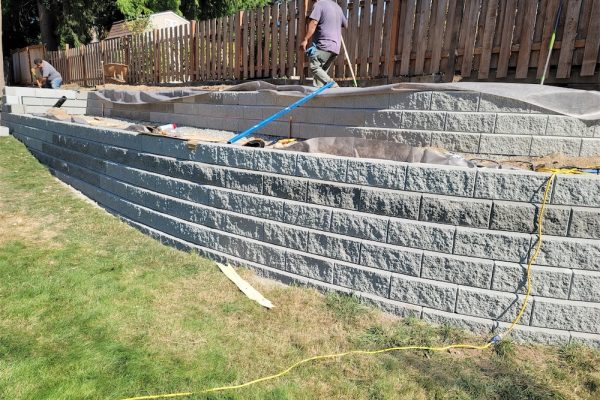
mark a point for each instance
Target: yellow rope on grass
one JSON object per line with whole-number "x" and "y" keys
{"x": 487, "y": 345}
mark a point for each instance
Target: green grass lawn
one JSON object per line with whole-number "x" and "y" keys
{"x": 92, "y": 309}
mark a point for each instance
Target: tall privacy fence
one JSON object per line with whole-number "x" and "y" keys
{"x": 386, "y": 39}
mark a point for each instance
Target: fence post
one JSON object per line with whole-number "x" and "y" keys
{"x": 194, "y": 53}
{"x": 238, "y": 43}
{"x": 156, "y": 56}
{"x": 301, "y": 32}
{"x": 68, "y": 63}
{"x": 82, "y": 52}
{"x": 393, "y": 39}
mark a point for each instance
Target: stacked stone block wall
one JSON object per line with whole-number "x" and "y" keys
{"x": 21, "y": 100}
{"x": 446, "y": 244}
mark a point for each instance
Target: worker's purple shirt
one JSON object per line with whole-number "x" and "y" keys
{"x": 330, "y": 19}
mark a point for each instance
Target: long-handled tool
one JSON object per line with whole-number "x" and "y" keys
{"x": 349, "y": 63}
{"x": 552, "y": 39}
{"x": 280, "y": 113}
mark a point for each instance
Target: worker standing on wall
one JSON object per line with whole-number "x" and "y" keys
{"x": 325, "y": 23}
{"x": 51, "y": 78}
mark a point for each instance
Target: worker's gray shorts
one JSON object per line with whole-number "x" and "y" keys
{"x": 320, "y": 62}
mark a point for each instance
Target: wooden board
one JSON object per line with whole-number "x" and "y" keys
{"x": 526, "y": 39}
{"x": 421, "y": 32}
{"x": 407, "y": 35}
{"x": 491, "y": 15}
{"x": 568, "y": 39}
{"x": 437, "y": 35}
{"x": 592, "y": 42}
{"x": 377, "y": 28}
{"x": 507, "y": 36}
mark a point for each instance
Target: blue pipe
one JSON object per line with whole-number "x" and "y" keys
{"x": 280, "y": 113}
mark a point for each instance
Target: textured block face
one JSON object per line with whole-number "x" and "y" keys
{"x": 242, "y": 226}
{"x": 577, "y": 190}
{"x": 453, "y": 211}
{"x": 494, "y": 245}
{"x": 455, "y": 101}
{"x": 453, "y": 181}
{"x": 509, "y": 145}
{"x": 421, "y": 235}
{"x": 473, "y": 324}
{"x": 285, "y": 187}
{"x": 276, "y": 162}
{"x": 510, "y": 185}
{"x": 548, "y": 282}
{"x": 334, "y": 246}
{"x": 396, "y": 259}
{"x": 512, "y": 216}
{"x": 452, "y": 141}
{"x": 567, "y": 315}
{"x": 410, "y": 101}
{"x": 409, "y": 137}
{"x": 307, "y": 215}
{"x": 541, "y": 146}
{"x": 559, "y": 125}
{"x": 423, "y": 120}
{"x": 585, "y": 223}
{"x": 311, "y": 267}
{"x": 438, "y": 295}
{"x": 493, "y": 305}
{"x": 204, "y": 153}
{"x": 497, "y": 104}
{"x": 227, "y": 200}
{"x": 324, "y": 168}
{"x": 359, "y": 225}
{"x": 570, "y": 253}
{"x": 470, "y": 122}
{"x": 374, "y": 173}
{"x": 591, "y": 147}
{"x": 262, "y": 207}
{"x": 585, "y": 286}
{"x": 456, "y": 269}
{"x": 237, "y": 157}
{"x": 386, "y": 119}
{"x": 334, "y": 195}
{"x": 244, "y": 181}
{"x": 362, "y": 279}
{"x": 391, "y": 203}
{"x": 286, "y": 236}
{"x": 521, "y": 124}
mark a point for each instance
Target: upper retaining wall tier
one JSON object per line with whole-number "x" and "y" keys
{"x": 446, "y": 244}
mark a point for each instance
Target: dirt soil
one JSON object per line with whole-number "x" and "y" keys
{"x": 555, "y": 160}
{"x": 143, "y": 87}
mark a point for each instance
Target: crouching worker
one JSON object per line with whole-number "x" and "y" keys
{"x": 325, "y": 23}
{"x": 51, "y": 78}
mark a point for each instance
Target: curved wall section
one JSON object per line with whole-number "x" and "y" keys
{"x": 446, "y": 244}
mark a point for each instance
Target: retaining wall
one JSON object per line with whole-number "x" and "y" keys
{"x": 445, "y": 244}
{"x": 27, "y": 100}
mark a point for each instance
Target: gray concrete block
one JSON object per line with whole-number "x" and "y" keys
{"x": 459, "y": 142}
{"x": 576, "y": 316}
{"x": 556, "y": 220}
{"x": 287, "y": 236}
{"x": 438, "y": 295}
{"x": 472, "y": 324}
{"x": 390, "y": 202}
{"x": 369, "y": 133}
{"x": 410, "y": 137}
{"x": 545, "y": 281}
{"x": 410, "y": 100}
{"x": 585, "y": 223}
{"x": 278, "y": 162}
{"x": 309, "y": 216}
{"x": 244, "y": 181}
{"x": 334, "y": 195}
{"x": 285, "y": 187}
{"x": 201, "y": 173}
{"x": 455, "y": 211}
{"x": 423, "y": 120}
{"x": 522, "y": 217}
{"x": 361, "y": 279}
{"x": 13, "y": 109}
{"x": 570, "y": 253}
{"x": 386, "y": 119}
{"x": 334, "y": 246}
{"x": 52, "y": 93}
{"x": 421, "y": 235}
{"x": 590, "y": 147}
{"x": 402, "y": 310}
{"x": 497, "y": 104}
{"x": 457, "y": 269}
{"x": 237, "y": 157}
{"x": 376, "y": 173}
{"x": 263, "y": 207}
{"x": 376, "y": 101}
{"x": 470, "y": 122}
{"x": 165, "y": 146}
{"x": 402, "y": 260}
{"x": 362, "y": 226}
{"x": 242, "y": 226}
{"x": 541, "y": 146}
{"x": 11, "y": 99}
{"x": 251, "y": 112}
{"x": 530, "y": 334}
{"x": 227, "y": 200}
{"x": 492, "y": 244}
{"x": 509, "y": 145}
{"x": 586, "y": 339}
{"x": 512, "y": 185}
{"x": 345, "y": 117}
{"x": 453, "y": 181}
{"x": 19, "y": 91}
{"x": 4, "y": 131}
{"x": 577, "y": 190}
{"x": 491, "y": 304}
{"x": 455, "y": 101}
{"x": 585, "y": 286}
{"x": 322, "y": 167}
{"x": 51, "y": 101}
{"x": 521, "y": 124}
{"x": 560, "y": 125}
{"x": 205, "y": 153}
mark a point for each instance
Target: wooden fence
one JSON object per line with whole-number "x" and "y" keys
{"x": 386, "y": 39}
